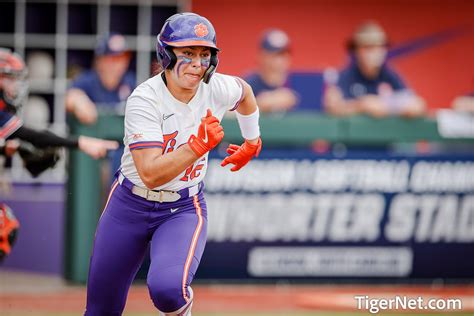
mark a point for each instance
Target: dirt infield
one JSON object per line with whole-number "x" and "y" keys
{"x": 37, "y": 295}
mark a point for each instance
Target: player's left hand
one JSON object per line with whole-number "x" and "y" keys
{"x": 239, "y": 156}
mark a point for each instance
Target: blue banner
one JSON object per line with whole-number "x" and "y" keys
{"x": 295, "y": 215}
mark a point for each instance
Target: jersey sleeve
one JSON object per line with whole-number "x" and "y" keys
{"x": 228, "y": 91}
{"x": 143, "y": 120}
{"x": 256, "y": 84}
{"x": 9, "y": 123}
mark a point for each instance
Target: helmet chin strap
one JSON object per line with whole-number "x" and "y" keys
{"x": 164, "y": 78}
{"x": 208, "y": 73}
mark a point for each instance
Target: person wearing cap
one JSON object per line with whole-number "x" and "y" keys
{"x": 107, "y": 85}
{"x": 13, "y": 93}
{"x": 270, "y": 82}
{"x": 368, "y": 85}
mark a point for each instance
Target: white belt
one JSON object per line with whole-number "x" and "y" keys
{"x": 161, "y": 195}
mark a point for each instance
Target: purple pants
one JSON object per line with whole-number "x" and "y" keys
{"x": 176, "y": 233}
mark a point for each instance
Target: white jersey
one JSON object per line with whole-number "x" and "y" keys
{"x": 154, "y": 118}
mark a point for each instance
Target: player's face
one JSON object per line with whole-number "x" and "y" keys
{"x": 192, "y": 62}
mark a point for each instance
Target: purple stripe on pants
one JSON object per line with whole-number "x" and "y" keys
{"x": 129, "y": 223}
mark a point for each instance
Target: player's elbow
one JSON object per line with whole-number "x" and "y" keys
{"x": 147, "y": 176}
{"x": 148, "y": 183}
{"x": 150, "y": 167}
{"x": 149, "y": 180}
{"x": 152, "y": 179}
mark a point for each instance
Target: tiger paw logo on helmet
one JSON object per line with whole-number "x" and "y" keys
{"x": 8, "y": 230}
{"x": 201, "y": 30}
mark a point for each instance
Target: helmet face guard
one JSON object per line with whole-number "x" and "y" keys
{"x": 183, "y": 30}
{"x": 13, "y": 84}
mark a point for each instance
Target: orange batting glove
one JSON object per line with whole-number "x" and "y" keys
{"x": 210, "y": 133}
{"x": 239, "y": 156}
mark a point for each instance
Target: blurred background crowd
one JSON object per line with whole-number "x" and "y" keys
{"x": 366, "y": 57}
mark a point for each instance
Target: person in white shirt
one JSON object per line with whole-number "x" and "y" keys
{"x": 172, "y": 121}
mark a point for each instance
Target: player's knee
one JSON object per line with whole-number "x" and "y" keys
{"x": 166, "y": 292}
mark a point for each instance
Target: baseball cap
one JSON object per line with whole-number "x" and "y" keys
{"x": 275, "y": 40}
{"x": 111, "y": 44}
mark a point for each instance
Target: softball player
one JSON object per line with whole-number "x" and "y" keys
{"x": 172, "y": 121}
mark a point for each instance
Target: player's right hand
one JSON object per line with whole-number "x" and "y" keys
{"x": 210, "y": 133}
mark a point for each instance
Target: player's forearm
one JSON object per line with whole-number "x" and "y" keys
{"x": 165, "y": 168}
{"x": 248, "y": 116}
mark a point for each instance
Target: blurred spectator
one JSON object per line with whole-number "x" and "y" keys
{"x": 457, "y": 122}
{"x": 464, "y": 103}
{"x": 270, "y": 82}
{"x": 368, "y": 85}
{"x": 40, "y": 66}
{"x": 13, "y": 92}
{"x": 107, "y": 85}
{"x": 36, "y": 113}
